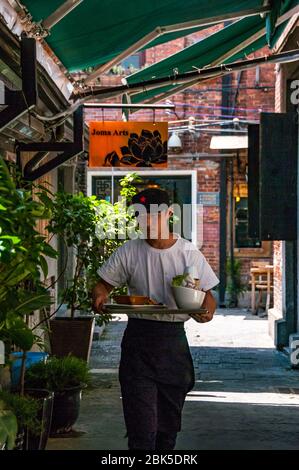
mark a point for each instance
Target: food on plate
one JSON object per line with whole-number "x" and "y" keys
{"x": 186, "y": 289}
{"x": 179, "y": 280}
{"x": 186, "y": 280}
{"x": 134, "y": 300}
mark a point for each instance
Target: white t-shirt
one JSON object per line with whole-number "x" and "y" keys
{"x": 149, "y": 271}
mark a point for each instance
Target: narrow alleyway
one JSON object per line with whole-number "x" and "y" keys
{"x": 244, "y": 398}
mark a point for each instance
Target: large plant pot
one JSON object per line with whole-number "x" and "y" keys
{"x": 39, "y": 441}
{"x": 31, "y": 358}
{"x": 72, "y": 336}
{"x": 66, "y": 409}
{"x": 20, "y": 440}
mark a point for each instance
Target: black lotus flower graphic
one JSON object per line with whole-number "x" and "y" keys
{"x": 145, "y": 150}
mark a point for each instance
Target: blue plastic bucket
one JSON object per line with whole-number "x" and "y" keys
{"x": 31, "y": 358}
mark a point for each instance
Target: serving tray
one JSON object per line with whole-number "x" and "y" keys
{"x": 154, "y": 309}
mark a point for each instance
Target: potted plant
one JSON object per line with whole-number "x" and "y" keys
{"x": 8, "y": 427}
{"x": 235, "y": 286}
{"x": 27, "y": 412}
{"x": 66, "y": 377}
{"x": 93, "y": 229}
{"x": 22, "y": 261}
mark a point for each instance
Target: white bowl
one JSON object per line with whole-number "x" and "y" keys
{"x": 188, "y": 298}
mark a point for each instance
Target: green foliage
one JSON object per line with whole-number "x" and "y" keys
{"x": 25, "y": 410}
{"x": 58, "y": 374}
{"x": 8, "y": 426}
{"x": 178, "y": 280}
{"x": 22, "y": 248}
{"x": 22, "y": 258}
{"x": 235, "y": 286}
{"x": 94, "y": 228}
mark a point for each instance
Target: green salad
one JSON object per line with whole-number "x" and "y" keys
{"x": 178, "y": 280}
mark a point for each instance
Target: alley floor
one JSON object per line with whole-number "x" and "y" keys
{"x": 246, "y": 395}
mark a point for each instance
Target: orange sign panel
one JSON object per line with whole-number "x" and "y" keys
{"x": 133, "y": 144}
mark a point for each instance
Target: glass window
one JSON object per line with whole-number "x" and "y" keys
{"x": 134, "y": 62}
{"x": 242, "y": 240}
{"x": 178, "y": 187}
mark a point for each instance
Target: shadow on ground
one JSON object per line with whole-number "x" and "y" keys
{"x": 245, "y": 396}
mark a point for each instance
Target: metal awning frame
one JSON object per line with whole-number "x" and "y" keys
{"x": 187, "y": 77}
{"x": 287, "y": 16}
{"x": 160, "y": 30}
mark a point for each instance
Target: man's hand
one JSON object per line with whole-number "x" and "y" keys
{"x": 100, "y": 295}
{"x": 209, "y": 304}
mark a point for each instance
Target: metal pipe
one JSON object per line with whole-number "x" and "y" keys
{"x": 110, "y": 92}
{"x": 209, "y": 129}
{"x": 128, "y": 105}
{"x": 204, "y": 156}
{"x": 212, "y": 72}
{"x": 60, "y": 13}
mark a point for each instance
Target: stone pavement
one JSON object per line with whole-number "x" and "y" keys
{"x": 246, "y": 396}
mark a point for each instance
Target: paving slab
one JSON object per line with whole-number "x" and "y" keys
{"x": 245, "y": 397}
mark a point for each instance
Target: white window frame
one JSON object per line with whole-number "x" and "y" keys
{"x": 192, "y": 173}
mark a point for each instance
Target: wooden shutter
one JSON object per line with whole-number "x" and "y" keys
{"x": 253, "y": 181}
{"x": 278, "y": 176}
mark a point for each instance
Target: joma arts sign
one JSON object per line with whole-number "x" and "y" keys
{"x": 123, "y": 144}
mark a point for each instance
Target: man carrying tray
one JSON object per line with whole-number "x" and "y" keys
{"x": 156, "y": 368}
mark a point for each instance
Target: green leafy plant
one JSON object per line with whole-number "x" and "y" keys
{"x": 178, "y": 280}
{"x": 235, "y": 286}
{"x": 58, "y": 374}
{"x": 23, "y": 252}
{"x": 94, "y": 228}
{"x": 25, "y": 409}
{"x": 8, "y": 426}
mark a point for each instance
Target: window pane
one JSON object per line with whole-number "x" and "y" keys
{"x": 242, "y": 240}
{"x": 178, "y": 188}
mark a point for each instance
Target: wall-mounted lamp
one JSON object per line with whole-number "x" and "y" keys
{"x": 175, "y": 143}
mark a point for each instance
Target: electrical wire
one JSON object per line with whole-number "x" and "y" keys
{"x": 256, "y": 110}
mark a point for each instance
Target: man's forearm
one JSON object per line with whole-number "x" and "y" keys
{"x": 100, "y": 294}
{"x": 102, "y": 284}
{"x": 209, "y": 302}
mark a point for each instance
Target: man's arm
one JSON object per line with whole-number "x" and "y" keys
{"x": 209, "y": 304}
{"x": 100, "y": 295}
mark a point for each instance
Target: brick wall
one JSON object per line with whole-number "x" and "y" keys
{"x": 255, "y": 93}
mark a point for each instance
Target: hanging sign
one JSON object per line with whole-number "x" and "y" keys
{"x": 128, "y": 144}
{"x": 208, "y": 198}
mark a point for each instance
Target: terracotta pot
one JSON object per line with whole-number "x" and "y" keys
{"x": 72, "y": 336}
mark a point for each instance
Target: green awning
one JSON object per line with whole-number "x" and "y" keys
{"x": 171, "y": 89}
{"x": 97, "y": 31}
{"x": 202, "y": 53}
{"x": 223, "y": 46}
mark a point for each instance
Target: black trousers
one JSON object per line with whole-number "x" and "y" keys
{"x": 156, "y": 373}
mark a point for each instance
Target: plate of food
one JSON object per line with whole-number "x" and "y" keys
{"x": 133, "y": 302}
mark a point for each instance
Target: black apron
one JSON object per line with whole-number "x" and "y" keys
{"x": 156, "y": 372}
